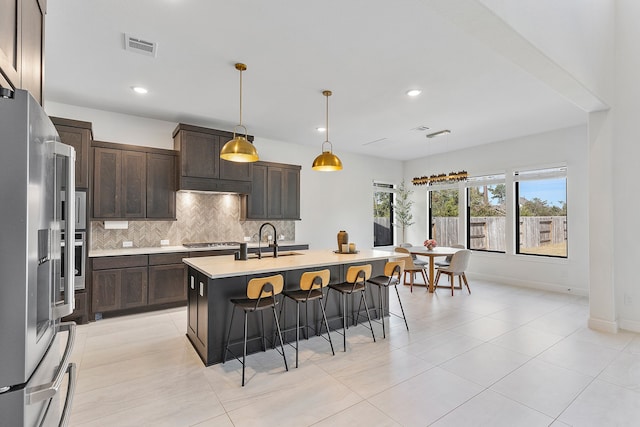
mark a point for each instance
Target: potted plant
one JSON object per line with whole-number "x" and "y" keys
{"x": 402, "y": 209}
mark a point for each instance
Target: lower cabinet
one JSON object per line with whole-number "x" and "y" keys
{"x": 166, "y": 283}
{"x": 119, "y": 288}
{"x": 197, "y": 309}
{"x": 137, "y": 281}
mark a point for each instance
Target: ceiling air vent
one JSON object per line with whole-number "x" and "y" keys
{"x": 135, "y": 44}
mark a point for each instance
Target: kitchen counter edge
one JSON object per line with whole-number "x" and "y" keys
{"x": 226, "y": 266}
{"x": 178, "y": 248}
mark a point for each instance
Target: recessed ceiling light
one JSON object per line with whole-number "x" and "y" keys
{"x": 414, "y": 92}
{"x": 321, "y": 129}
{"x": 139, "y": 89}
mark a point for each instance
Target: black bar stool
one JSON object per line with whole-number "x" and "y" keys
{"x": 261, "y": 295}
{"x": 357, "y": 276}
{"x": 391, "y": 277}
{"x": 311, "y": 284}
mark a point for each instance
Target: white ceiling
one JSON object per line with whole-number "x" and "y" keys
{"x": 368, "y": 52}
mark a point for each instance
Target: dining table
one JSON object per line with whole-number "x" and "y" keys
{"x": 438, "y": 251}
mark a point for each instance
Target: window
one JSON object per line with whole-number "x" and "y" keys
{"x": 486, "y": 213}
{"x": 382, "y": 214}
{"x": 541, "y": 212}
{"x": 443, "y": 215}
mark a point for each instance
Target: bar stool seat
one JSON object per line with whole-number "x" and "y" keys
{"x": 356, "y": 280}
{"x": 311, "y": 284}
{"x": 261, "y": 295}
{"x": 391, "y": 277}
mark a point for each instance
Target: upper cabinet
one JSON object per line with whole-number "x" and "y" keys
{"x": 131, "y": 182}
{"x": 78, "y": 135}
{"x": 21, "y": 45}
{"x": 275, "y": 192}
{"x": 200, "y": 165}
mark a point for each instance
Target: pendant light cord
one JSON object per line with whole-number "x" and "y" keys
{"x": 240, "y": 97}
{"x": 327, "y": 119}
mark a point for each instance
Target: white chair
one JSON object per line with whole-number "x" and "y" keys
{"x": 459, "y": 263}
{"x": 447, "y": 260}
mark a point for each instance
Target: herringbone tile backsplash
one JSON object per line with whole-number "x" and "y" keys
{"x": 200, "y": 218}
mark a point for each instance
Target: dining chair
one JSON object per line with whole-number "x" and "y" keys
{"x": 445, "y": 262}
{"x": 411, "y": 268}
{"x": 416, "y": 261}
{"x": 459, "y": 263}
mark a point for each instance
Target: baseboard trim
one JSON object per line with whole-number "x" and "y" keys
{"x": 529, "y": 284}
{"x": 630, "y": 325}
{"x": 603, "y": 325}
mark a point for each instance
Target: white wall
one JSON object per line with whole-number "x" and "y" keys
{"x": 329, "y": 201}
{"x": 626, "y": 152}
{"x": 565, "y": 146}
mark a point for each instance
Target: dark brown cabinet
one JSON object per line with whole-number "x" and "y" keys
{"x": 119, "y": 283}
{"x": 77, "y": 134}
{"x": 120, "y": 184}
{"x": 275, "y": 192}
{"x": 133, "y": 182}
{"x": 138, "y": 282}
{"x": 167, "y": 278}
{"x": 21, "y": 45}
{"x": 197, "y": 310}
{"x": 161, "y": 186}
{"x": 10, "y": 43}
{"x": 200, "y": 165}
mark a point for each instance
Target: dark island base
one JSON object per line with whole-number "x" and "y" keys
{"x": 209, "y": 310}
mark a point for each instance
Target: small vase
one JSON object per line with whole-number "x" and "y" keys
{"x": 343, "y": 239}
{"x": 430, "y": 247}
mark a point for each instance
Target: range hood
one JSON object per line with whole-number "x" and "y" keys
{"x": 208, "y": 185}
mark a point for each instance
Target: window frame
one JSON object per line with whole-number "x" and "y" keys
{"x": 385, "y": 187}
{"x": 477, "y": 181}
{"x": 441, "y": 187}
{"x": 538, "y": 174}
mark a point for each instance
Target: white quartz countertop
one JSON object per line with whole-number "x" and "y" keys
{"x": 217, "y": 267}
{"x": 177, "y": 248}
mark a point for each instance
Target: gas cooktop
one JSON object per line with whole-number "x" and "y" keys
{"x": 211, "y": 244}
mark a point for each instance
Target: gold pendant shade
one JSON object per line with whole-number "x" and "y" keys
{"x": 327, "y": 161}
{"x": 239, "y": 149}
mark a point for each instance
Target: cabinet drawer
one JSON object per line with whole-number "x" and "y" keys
{"x": 172, "y": 258}
{"x": 125, "y": 261}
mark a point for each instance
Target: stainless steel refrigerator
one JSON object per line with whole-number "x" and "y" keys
{"x": 36, "y": 173}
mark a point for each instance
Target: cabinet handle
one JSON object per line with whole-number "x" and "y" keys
{"x": 201, "y": 289}
{"x": 193, "y": 285}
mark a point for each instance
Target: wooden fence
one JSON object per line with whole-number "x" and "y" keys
{"x": 489, "y": 232}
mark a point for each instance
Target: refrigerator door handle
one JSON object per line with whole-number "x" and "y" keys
{"x": 66, "y": 410}
{"x": 47, "y": 391}
{"x": 69, "y": 153}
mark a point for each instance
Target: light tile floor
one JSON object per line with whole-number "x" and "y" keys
{"x": 502, "y": 356}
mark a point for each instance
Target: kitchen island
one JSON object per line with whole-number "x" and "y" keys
{"x": 213, "y": 281}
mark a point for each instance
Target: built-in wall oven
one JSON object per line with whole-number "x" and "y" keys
{"x": 79, "y": 254}
{"x": 80, "y": 238}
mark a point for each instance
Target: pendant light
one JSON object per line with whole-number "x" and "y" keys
{"x": 239, "y": 149}
{"x": 327, "y": 161}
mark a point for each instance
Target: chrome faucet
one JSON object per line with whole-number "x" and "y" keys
{"x": 275, "y": 241}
